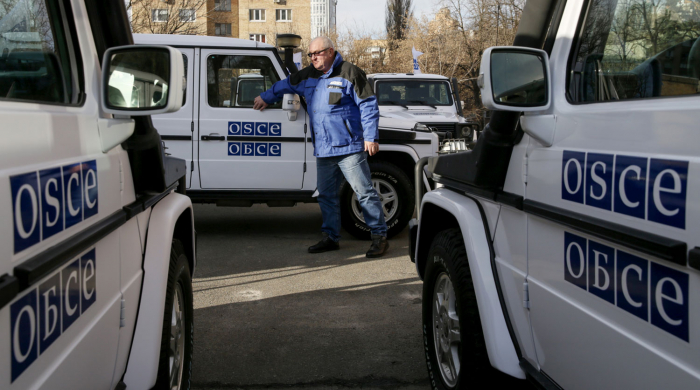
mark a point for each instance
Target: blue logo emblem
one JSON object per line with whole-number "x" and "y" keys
{"x": 48, "y": 201}
{"x": 645, "y": 188}
{"x": 255, "y": 129}
{"x": 653, "y": 292}
{"x": 42, "y": 315}
{"x": 255, "y": 149}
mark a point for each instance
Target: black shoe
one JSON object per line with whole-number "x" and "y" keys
{"x": 379, "y": 246}
{"x": 325, "y": 245}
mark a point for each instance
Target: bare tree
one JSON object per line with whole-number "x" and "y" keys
{"x": 398, "y": 15}
{"x": 187, "y": 17}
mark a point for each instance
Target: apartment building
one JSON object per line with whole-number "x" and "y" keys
{"x": 322, "y": 17}
{"x": 262, "y": 20}
{"x": 259, "y": 20}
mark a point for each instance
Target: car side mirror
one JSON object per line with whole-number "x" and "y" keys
{"x": 291, "y": 104}
{"x": 515, "y": 79}
{"x": 142, "y": 80}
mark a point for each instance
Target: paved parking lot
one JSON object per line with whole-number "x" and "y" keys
{"x": 270, "y": 315}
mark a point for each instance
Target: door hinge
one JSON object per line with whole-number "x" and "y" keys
{"x": 526, "y": 296}
{"x": 122, "y": 314}
{"x": 304, "y": 167}
{"x": 192, "y": 126}
{"x": 304, "y": 128}
{"x": 191, "y": 166}
{"x": 525, "y": 169}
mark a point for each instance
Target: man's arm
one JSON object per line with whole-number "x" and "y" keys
{"x": 277, "y": 91}
{"x": 369, "y": 111}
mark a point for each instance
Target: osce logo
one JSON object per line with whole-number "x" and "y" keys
{"x": 48, "y": 201}
{"x": 645, "y": 188}
{"x": 272, "y": 149}
{"x": 46, "y": 312}
{"x": 255, "y": 129}
{"x": 648, "y": 290}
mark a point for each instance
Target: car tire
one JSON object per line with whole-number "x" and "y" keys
{"x": 389, "y": 180}
{"x": 455, "y": 350}
{"x": 177, "y": 336}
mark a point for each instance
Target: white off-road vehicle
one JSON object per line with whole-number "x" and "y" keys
{"x": 430, "y": 99}
{"x": 238, "y": 156}
{"x": 565, "y": 247}
{"x": 97, "y": 246}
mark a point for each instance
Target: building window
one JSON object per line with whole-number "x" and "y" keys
{"x": 159, "y": 15}
{"x": 222, "y": 5}
{"x": 257, "y": 37}
{"x": 223, "y": 29}
{"x": 283, "y": 15}
{"x": 188, "y": 15}
{"x": 257, "y": 15}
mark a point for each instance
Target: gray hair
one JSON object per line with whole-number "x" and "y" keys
{"x": 325, "y": 40}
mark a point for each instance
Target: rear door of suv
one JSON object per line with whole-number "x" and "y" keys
{"x": 613, "y": 203}
{"x": 239, "y": 147}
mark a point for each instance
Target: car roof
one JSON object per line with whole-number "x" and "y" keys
{"x": 407, "y": 76}
{"x": 196, "y": 40}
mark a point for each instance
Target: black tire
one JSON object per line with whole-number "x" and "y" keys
{"x": 390, "y": 178}
{"x": 180, "y": 286}
{"x": 447, "y": 261}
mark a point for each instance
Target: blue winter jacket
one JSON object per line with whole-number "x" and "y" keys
{"x": 341, "y": 104}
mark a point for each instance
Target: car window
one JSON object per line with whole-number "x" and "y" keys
{"x": 235, "y": 81}
{"x": 35, "y": 62}
{"x": 632, "y": 49}
{"x": 421, "y": 92}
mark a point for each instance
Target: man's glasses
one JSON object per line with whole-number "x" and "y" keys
{"x": 317, "y": 52}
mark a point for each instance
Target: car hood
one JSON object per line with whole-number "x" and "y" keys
{"x": 389, "y": 122}
{"x": 424, "y": 115}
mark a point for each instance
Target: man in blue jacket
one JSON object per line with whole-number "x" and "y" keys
{"x": 344, "y": 118}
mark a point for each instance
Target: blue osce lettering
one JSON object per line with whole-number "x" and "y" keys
{"x": 48, "y": 201}
{"x": 641, "y": 187}
{"x": 272, "y": 149}
{"x": 255, "y": 129}
{"x": 648, "y": 290}
{"x": 41, "y": 316}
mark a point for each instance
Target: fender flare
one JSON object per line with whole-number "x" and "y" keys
{"x": 467, "y": 213}
{"x": 142, "y": 368}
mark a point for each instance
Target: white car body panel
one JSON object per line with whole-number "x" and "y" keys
{"x": 500, "y": 348}
{"x": 142, "y": 368}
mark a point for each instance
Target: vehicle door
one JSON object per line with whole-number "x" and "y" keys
{"x": 239, "y": 147}
{"x": 176, "y": 129}
{"x": 612, "y": 203}
{"x": 56, "y": 187}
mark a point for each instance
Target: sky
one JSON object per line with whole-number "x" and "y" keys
{"x": 368, "y": 15}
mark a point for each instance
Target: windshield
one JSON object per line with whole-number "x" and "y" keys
{"x": 413, "y": 92}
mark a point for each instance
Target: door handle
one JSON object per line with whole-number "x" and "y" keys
{"x": 213, "y": 137}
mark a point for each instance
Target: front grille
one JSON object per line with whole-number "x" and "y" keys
{"x": 443, "y": 127}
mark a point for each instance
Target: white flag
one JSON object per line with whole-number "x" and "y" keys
{"x": 416, "y": 54}
{"x": 297, "y": 60}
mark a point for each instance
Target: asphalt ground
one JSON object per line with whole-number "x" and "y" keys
{"x": 269, "y": 315}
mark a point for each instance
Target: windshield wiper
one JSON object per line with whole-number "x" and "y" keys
{"x": 422, "y": 103}
{"x": 394, "y": 103}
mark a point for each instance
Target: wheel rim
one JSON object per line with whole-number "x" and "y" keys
{"x": 387, "y": 195}
{"x": 446, "y": 336}
{"x": 177, "y": 339}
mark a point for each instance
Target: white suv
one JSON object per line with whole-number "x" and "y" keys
{"x": 566, "y": 247}
{"x": 97, "y": 247}
{"x": 430, "y": 99}
{"x": 239, "y": 156}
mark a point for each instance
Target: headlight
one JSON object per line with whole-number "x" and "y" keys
{"x": 465, "y": 131}
{"x": 421, "y": 127}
